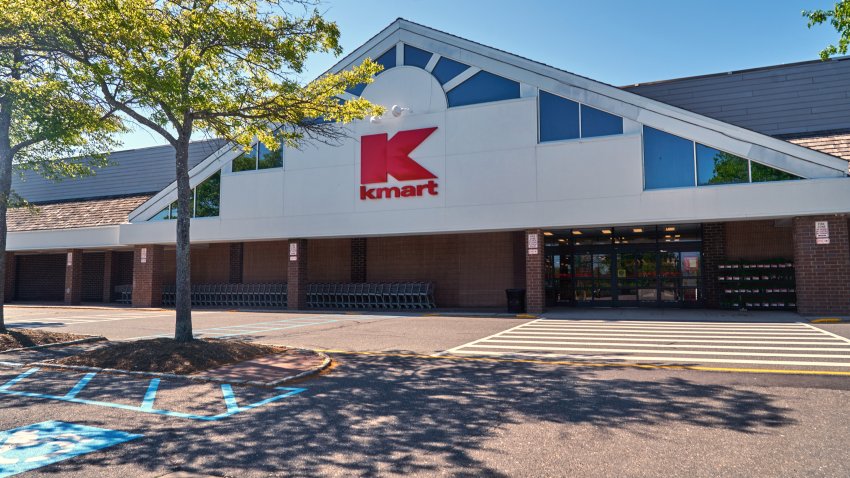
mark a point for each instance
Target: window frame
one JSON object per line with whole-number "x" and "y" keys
{"x": 581, "y": 106}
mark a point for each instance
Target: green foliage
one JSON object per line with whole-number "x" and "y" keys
{"x": 839, "y": 18}
{"x": 729, "y": 169}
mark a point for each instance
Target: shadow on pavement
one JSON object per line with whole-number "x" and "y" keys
{"x": 392, "y": 415}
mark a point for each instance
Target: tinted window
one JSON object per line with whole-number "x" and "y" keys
{"x": 762, "y": 173}
{"x": 207, "y": 196}
{"x": 387, "y": 59}
{"x": 415, "y": 57}
{"x": 596, "y": 122}
{"x": 247, "y": 161}
{"x": 357, "y": 89}
{"x": 483, "y": 87}
{"x": 162, "y": 215}
{"x": 719, "y": 167}
{"x": 668, "y": 161}
{"x": 269, "y": 158}
{"x": 558, "y": 118}
{"x": 446, "y": 69}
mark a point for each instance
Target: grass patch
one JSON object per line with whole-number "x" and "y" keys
{"x": 167, "y": 356}
{"x": 21, "y": 338}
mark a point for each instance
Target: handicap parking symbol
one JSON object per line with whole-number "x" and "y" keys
{"x": 33, "y": 446}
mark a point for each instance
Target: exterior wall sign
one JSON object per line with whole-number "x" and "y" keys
{"x": 70, "y": 259}
{"x": 822, "y": 232}
{"x": 382, "y": 157}
{"x": 533, "y": 244}
{"x": 293, "y": 251}
{"x": 143, "y": 255}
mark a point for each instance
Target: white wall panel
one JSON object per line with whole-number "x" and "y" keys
{"x": 492, "y": 127}
{"x": 250, "y": 194}
{"x": 494, "y": 177}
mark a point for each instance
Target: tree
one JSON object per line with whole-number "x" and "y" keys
{"x": 228, "y": 68}
{"x": 839, "y": 17}
{"x": 44, "y": 118}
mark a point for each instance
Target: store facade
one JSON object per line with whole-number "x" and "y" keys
{"x": 488, "y": 171}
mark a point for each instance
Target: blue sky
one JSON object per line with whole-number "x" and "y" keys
{"x": 615, "y": 41}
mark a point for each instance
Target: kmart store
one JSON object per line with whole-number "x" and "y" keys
{"x": 487, "y": 172}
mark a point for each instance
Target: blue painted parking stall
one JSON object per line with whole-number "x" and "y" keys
{"x": 24, "y": 384}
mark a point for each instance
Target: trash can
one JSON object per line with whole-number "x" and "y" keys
{"x": 516, "y": 300}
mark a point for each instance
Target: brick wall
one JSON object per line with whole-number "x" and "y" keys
{"x": 358, "y": 260}
{"x": 296, "y": 282}
{"x": 147, "y": 276}
{"x": 330, "y": 260}
{"x": 535, "y": 292}
{"x": 713, "y": 252}
{"x": 74, "y": 277}
{"x": 822, "y": 270}
{"x": 265, "y": 262}
{"x": 236, "y": 265}
{"x": 211, "y": 264}
{"x": 470, "y": 270}
{"x": 41, "y": 277}
{"x": 757, "y": 240}
{"x": 93, "y": 268}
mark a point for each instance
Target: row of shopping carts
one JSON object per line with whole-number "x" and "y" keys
{"x": 371, "y": 295}
{"x": 231, "y": 295}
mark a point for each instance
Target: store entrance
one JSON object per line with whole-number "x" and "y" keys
{"x": 650, "y": 266}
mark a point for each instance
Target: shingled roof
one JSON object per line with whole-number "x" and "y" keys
{"x": 836, "y": 144}
{"x": 75, "y": 214}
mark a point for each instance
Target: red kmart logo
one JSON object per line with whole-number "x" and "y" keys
{"x": 381, "y": 157}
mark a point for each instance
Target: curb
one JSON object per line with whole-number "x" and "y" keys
{"x": 829, "y": 320}
{"x": 94, "y": 338}
{"x": 83, "y": 307}
{"x": 326, "y": 362}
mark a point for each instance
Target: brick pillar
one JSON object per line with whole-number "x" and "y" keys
{"x": 535, "y": 292}
{"x": 237, "y": 251}
{"x": 10, "y": 279}
{"x": 74, "y": 277}
{"x": 108, "y": 283}
{"x": 296, "y": 292}
{"x": 713, "y": 253}
{"x": 358, "y": 260}
{"x": 822, "y": 270}
{"x": 147, "y": 276}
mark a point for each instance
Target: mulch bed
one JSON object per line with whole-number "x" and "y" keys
{"x": 167, "y": 356}
{"x": 21, "y": 338}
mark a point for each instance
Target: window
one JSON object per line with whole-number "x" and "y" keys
{"x": 668, "y": 160}
{"x": 357, "y": 89}
{"x": 596, "y": 122}
{"x": 206, "y": 201}
{"x": 415, "y": 57}
{"x": 207, "y": 196}
{"x": 718, "y": 167}
{"x": 483, "y": 87}
{"x": 446, "y": 69}
{"x": 762, "y": 173}
{"x": 387, "y": 60}
{"x": 259, "y": 157}
{"x": 558, "y": 118}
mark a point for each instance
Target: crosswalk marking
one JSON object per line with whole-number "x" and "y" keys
{"x": 790, "y": 344}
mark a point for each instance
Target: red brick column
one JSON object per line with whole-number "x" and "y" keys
{"x": 358, "y": 260}
{"x": 713, "y": 252}
{"x": 822, "y": 270}
{"x": 237, "y": 254}
{"x": 535, "y": 293}
{"x": 147, "y": 276}
{"x": 296, "y": 292}
{"x": 74, "y": 277}
{"x": 107, "y": 277}
{"x": 10, "y": 279}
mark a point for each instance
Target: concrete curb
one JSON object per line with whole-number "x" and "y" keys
{"x": 94, "y": 338}
{"x": 84, "y": 307}
{"x": 829, "y": 320}
{"x": 195, "y": 378}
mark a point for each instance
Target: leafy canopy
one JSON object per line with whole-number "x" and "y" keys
{"x": 228, "y": 67}
{"x": 839, "y": 18}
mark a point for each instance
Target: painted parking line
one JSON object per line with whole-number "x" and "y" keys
{"x": 14, "y": 386}
{"x": 753, "y": 344}
{"x": 259, "y": 328}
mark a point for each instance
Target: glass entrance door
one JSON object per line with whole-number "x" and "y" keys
{"x": 636, "y": 281}
{"x": 593, "y": 280}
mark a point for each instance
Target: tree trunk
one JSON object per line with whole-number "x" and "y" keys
{"x": 185, "y": 206}
{"x": 5, "y": 191}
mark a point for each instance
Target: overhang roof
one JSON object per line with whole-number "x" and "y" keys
{"x": 835, "y": 143}
{"x": 74, "y": 214}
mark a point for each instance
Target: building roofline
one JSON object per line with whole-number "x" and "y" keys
{"x": 736, "y": 72}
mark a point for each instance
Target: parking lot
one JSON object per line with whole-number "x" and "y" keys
{"x": 393, "y": 405}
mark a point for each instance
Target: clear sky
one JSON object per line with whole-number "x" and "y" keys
{"x": 615, "y": 41}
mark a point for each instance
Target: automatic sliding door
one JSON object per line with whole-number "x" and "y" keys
{"x": 593, "y": 278}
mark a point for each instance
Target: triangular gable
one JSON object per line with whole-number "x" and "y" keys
{"x": 534, "y": 76}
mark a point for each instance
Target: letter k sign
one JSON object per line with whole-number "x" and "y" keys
{"x": 380, "y": 157}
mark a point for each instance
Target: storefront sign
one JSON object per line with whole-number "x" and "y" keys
{"x": 382, "y": 158}
{"x": 822, "y": 232}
